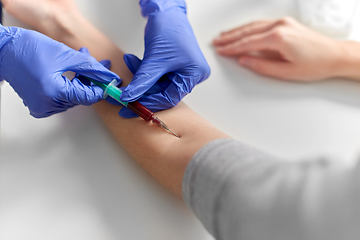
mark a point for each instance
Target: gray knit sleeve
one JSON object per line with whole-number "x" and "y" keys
{"x": 239, "y": 192}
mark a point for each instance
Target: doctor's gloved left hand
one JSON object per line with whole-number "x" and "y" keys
{"x": 33, "y": 65}
{"x": 173, "y": 63}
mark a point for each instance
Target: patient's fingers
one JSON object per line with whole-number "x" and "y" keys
{"x": 259, "y": 42}
{"x": 243, "y": 31}
{"x": 277, "y": 69}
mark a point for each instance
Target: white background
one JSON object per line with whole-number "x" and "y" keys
{"x": 65, "y": 177}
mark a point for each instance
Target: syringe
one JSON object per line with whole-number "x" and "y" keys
{"x": 114, "y": 92}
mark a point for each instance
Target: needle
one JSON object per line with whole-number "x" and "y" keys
{"x": 172, "y": 132}
{"x": 163, "y": 125}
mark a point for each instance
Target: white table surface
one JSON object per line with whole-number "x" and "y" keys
{"x": 65, "y": 177}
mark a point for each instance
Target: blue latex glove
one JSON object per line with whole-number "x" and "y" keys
{"x": 33, "y": 64}
{"x": 171, "y": 50}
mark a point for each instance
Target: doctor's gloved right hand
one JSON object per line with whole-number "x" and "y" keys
{"x": 173, "y": 63}
{"x": 33, "y": 65}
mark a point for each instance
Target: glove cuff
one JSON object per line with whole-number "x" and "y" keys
{"x": 6, "y": 34}
{"x": 151, "y": 7}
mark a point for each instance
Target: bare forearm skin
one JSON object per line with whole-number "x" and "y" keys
{"x": 161, "y": 154}
{"x": 349, "y": 60}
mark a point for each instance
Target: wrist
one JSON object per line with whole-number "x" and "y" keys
{"x": 347, "y": 63}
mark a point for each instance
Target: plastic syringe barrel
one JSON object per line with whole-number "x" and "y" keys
{"x": 109, "y": 90}
{"x": 114, "y": 92}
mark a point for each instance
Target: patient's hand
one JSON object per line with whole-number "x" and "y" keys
{"x": 41, "y": 14}
{"x": 297, "y": 53}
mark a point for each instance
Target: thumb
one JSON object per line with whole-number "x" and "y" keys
{"x": 84, "y": 50}
{"x": 148, "y": 73}
{"x": 83, "y": 63}
{"x": 78, "y": 93}
{"x": 106, "y": 62}
{"x": 266, "y": 67}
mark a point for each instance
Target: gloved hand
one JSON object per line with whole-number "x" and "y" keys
{"x": 171, "y": 50}
{"x": 33, "y": 64}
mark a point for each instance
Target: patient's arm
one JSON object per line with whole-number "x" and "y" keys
{"x": 161, "y": 154}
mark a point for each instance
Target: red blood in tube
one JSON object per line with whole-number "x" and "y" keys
{"x": 147, "y": 115}
{"x": 142, "y": 111}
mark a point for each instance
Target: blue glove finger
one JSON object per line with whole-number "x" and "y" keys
{"x": 106, "y": 63}
{"x": 159, "y": 86}
{"x": 158, "y": 101}
{"x": 85, "y": 50}
{"x": 165, "y": 94}
{"x": 83, "y": 79}
{"x": 56, "y": 105}
{"x": 47, "y": 114}
{"x": 132, "y": 62}
{"x": 90, "y": 93}
{"x": 99, "y": 72}
{"x": 37, "y": 114}
{"x": 83, "y": 94}
{"x": 142, "y": 81}
{"x": 77, "y": 93}
{"x": 185, "y": 83}
{"x": 86, "y": 65}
